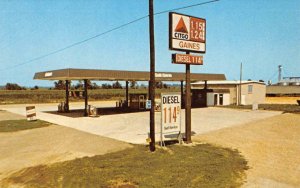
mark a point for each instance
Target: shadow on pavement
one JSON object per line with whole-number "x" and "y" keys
{"x": 100, "y": 111}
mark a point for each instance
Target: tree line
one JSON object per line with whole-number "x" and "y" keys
{"x": 61, "y": 85}
{"x": 116, "y": 85}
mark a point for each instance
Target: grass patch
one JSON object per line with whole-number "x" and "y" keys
{"x": 286, "y": 108}
{"x": 178, "y": 166}
{"x": 19, "y": 125}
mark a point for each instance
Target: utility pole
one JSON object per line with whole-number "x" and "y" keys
{"x": 152, "y": 77}
{"x": 240, "y": 86}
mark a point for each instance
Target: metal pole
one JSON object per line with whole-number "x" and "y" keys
{"x": 188, "y": 128}
{"x": 67, "y": 97}
{"x": 279, "y": 72}
{"x": 152, "y": 77}
{"x": 240, "y": 88}
{"x": 85, "y": 99}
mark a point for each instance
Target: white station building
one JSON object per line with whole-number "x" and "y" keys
{"x": 225, "y": 92}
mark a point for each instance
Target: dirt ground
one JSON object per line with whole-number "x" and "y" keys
{"x": 51, "y": 144}
{"x": 271, "y": 146}
{"x": 282, "y": 100}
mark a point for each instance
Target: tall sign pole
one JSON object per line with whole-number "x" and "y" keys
{"x": 188, "y": 127}
{"x": 152, "y": 77}
{"x": 187, "y": 34}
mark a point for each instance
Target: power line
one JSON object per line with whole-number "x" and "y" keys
{"x": 189, "y": 6}
{"x": 103, "y": 33}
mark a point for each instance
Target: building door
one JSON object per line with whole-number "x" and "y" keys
{"x": 226, "y": 99}
{"x": 215, "y": 99}
{"x": 220, "y": 99}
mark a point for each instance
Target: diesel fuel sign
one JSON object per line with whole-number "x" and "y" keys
{"x": 187, "y": 33}
{"x": 170, "y": 114}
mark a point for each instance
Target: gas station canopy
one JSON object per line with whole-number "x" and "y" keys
{"x": 111, "y": 75}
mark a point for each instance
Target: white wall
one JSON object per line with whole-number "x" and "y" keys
{"x": 211, "y": 99}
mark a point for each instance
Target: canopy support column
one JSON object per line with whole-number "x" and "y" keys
{"x": 127, "y": 93}
{"x": 67, "y": 97}
{"x": 85, "y": 98}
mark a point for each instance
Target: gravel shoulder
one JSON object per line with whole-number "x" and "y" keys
{"x": 51, "y": 144}
{"x": 271, "y": 146}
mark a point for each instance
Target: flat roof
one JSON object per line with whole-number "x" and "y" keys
{"x": 228, "y": 82}
{"x": 111, "y": 75}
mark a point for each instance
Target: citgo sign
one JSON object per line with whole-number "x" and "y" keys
{"x": 187, "y": 33}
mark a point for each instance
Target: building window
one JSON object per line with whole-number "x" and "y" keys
{"x": 250, "y": 88}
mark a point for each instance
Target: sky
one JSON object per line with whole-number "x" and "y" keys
{"x": 261, "y": 34}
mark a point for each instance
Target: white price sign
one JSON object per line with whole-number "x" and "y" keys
{"x": 170, "y": 113}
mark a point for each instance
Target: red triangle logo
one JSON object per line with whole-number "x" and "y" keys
{"x": 181, "y": 26}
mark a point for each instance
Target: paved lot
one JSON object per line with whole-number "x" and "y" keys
{"x": 134, "y": 127}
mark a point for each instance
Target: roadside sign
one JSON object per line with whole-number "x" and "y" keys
{"x": 170, "y": 116}
{"x": 148, "y": 104}
{"x": 187, "y": 59}
{"x": 187, "y": 33}
{"x": 30, "y": 113}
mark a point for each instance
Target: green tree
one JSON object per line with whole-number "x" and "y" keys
{"x": 13, "y": 86}
{"x": 79, "y": 85}
{"x": 106, "y": 86}
{"x": 165, "y": 86}
{"x": 95, "y": 86}
{"x": 133, "y": 84}
{"x": 159, "y": 84}
{"x": 60, "y": 85}
{"x": 117, "y": 85}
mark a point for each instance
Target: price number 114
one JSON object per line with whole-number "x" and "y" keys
{"x": 170, "y": 114}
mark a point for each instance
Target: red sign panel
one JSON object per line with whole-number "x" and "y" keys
{"x": 187, "y": 59}
{"x": 197, "y": 31}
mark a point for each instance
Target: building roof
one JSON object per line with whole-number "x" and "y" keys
{"x": 283, "y": 89}
{"x": 227, "y": 82}
{"x": 93, "y": 74}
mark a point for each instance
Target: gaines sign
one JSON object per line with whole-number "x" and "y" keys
{"x": 170, "y": 114}
{"x": 187, "y": 33}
